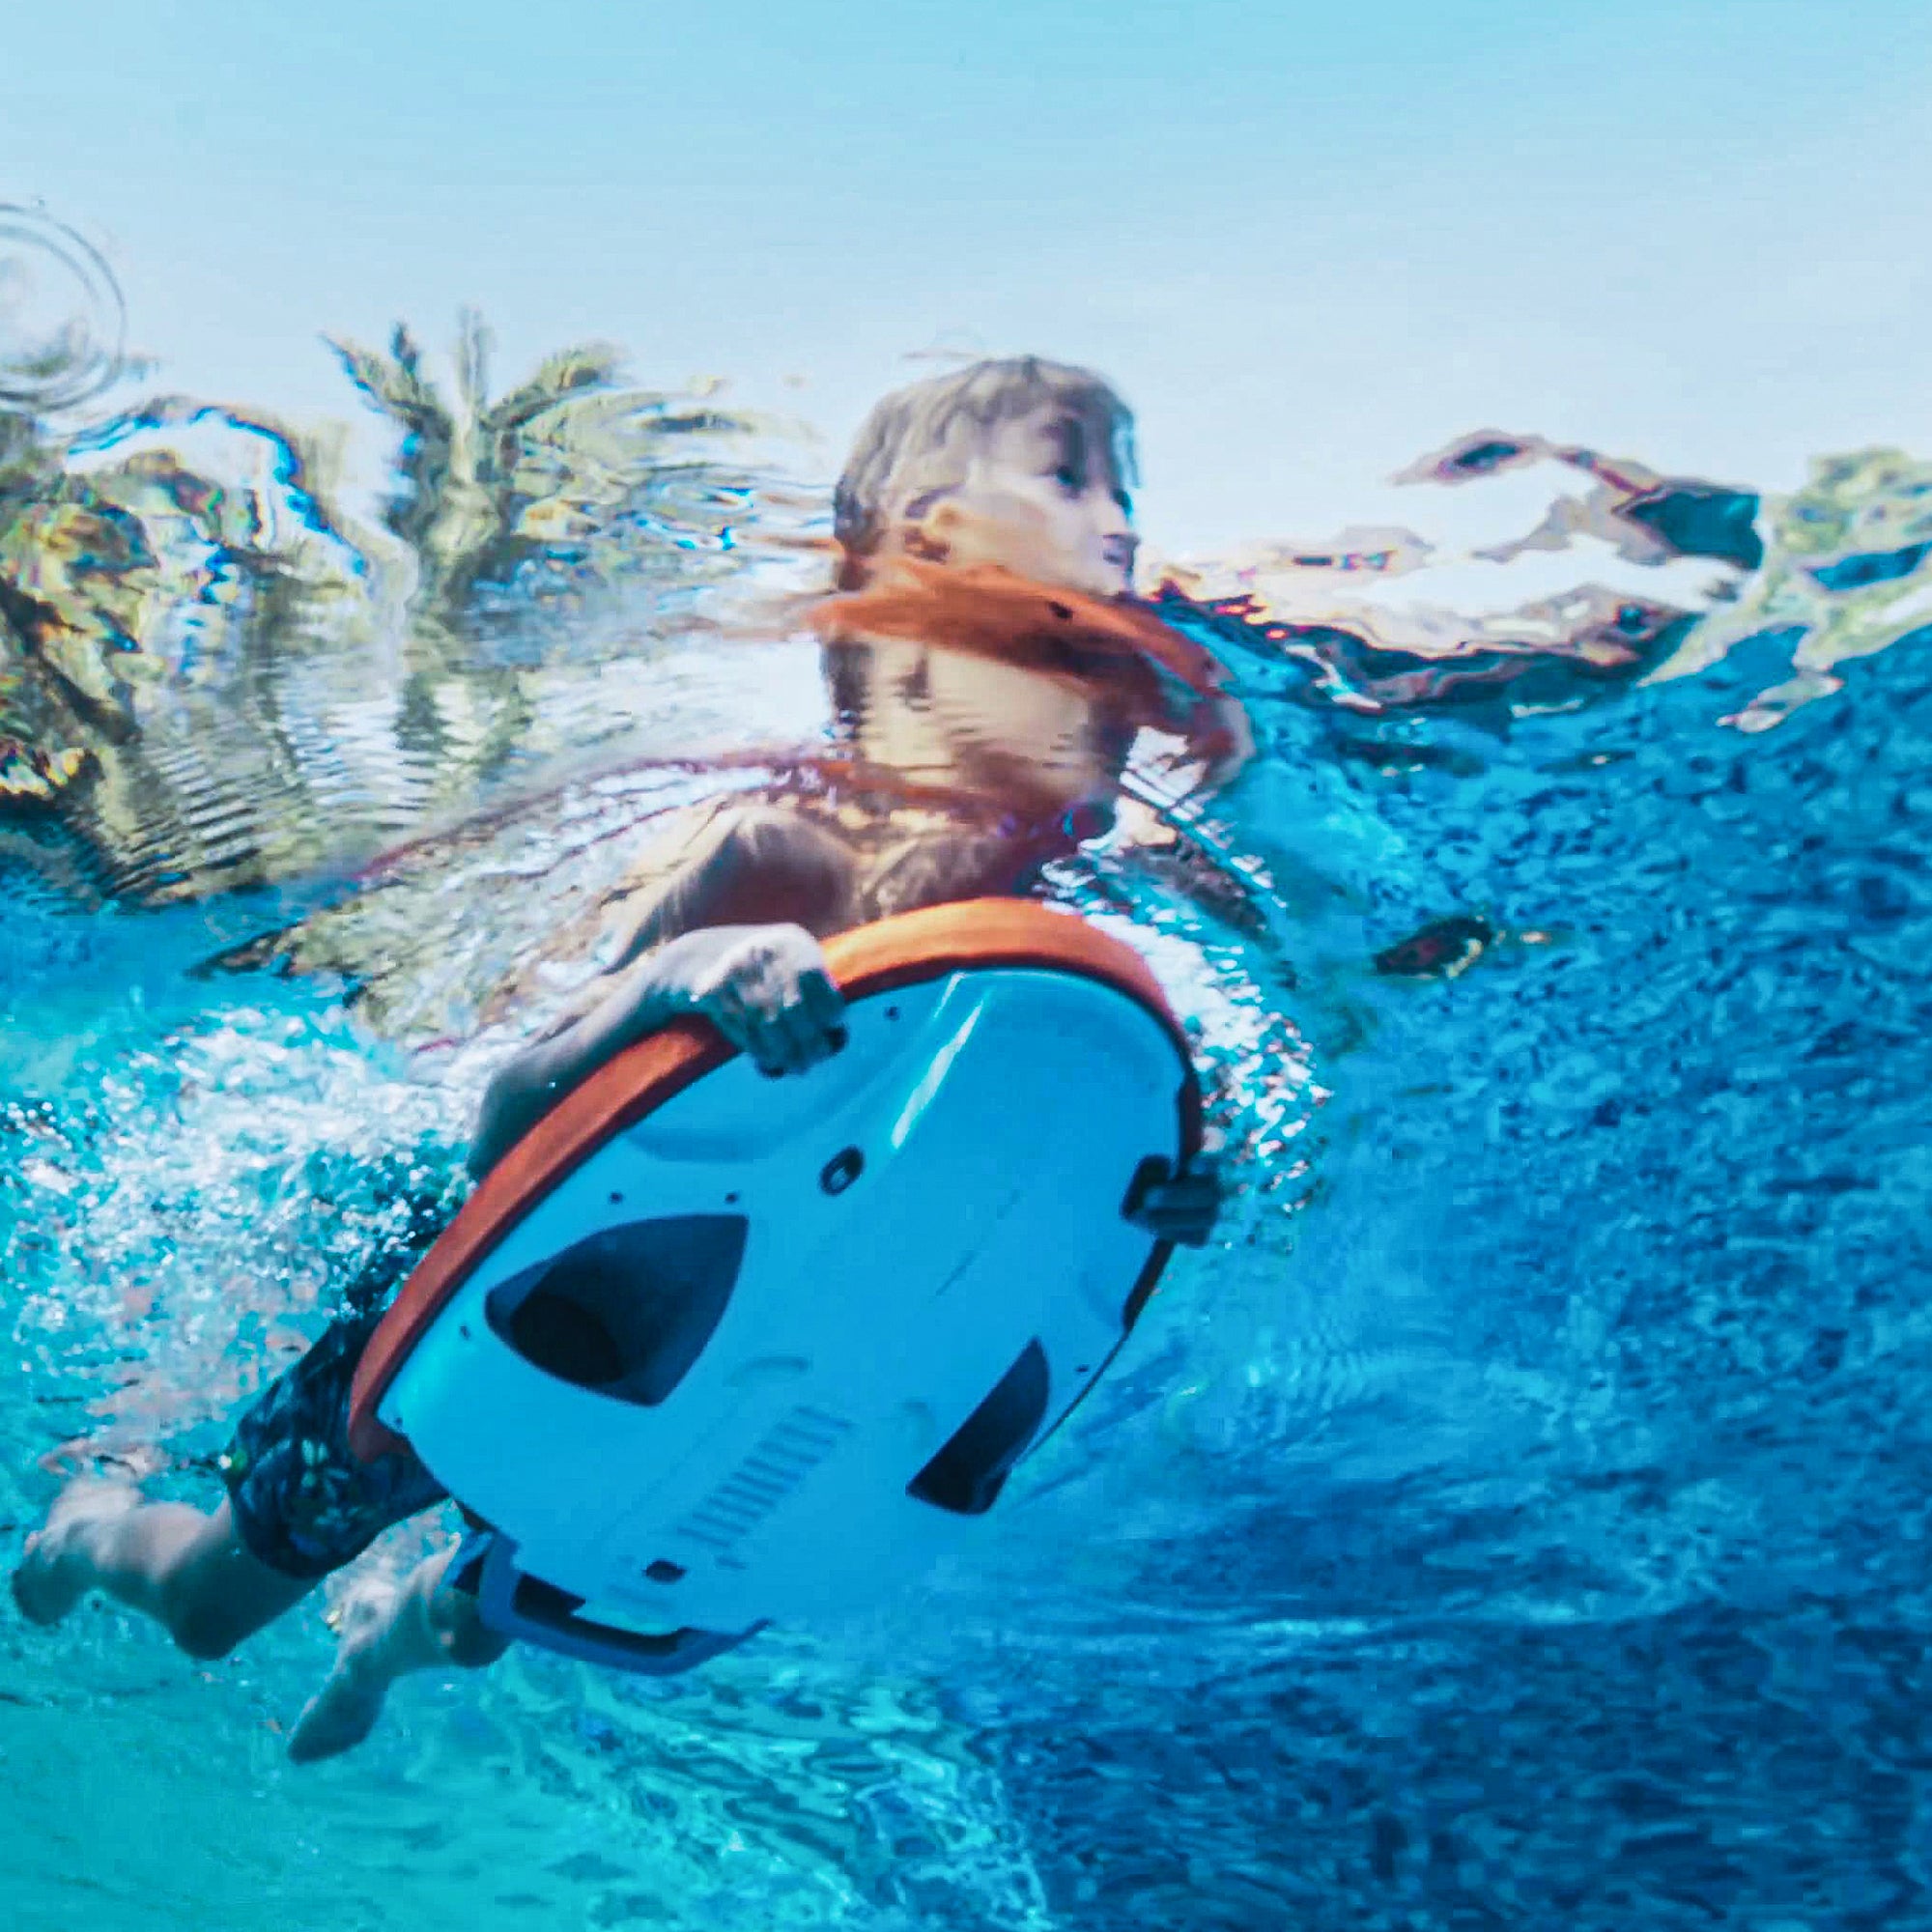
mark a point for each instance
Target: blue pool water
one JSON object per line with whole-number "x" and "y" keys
{"x": 1519, "y": 1518}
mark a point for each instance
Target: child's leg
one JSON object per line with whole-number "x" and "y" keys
{"x": 427, "y": 1623}
{"x": 188, "y": 1571}
{"x": 754, "y": 867}
{"x": 300, "y": 1505}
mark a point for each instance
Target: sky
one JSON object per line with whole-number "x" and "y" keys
{"x": 1307, "y": 242}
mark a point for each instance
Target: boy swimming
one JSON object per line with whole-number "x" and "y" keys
{"x": 989, "y": 681}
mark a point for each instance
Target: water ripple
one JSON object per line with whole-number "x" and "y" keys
{"x": 62, "y": 323}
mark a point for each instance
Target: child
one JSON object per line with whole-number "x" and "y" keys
{"x": 989, "y": 683}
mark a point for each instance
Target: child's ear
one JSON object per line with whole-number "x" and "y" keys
{"x": 1005, "y": 530}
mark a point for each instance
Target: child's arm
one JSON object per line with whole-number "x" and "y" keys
{"x": 1219, "y": 734}
{"x": 1194, "y": 699}
{"x": 729, "y": 936}
{"x": 764, "y": 987}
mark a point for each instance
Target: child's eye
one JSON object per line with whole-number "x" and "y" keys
{"x": 1125, "y": 502}
{"x": 1070, "y": 479}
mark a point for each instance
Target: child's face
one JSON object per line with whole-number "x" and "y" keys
{"x": 1038, "y": 499}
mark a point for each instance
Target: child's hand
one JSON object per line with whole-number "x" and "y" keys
{"x": 764, "y": 987}
{"x": 1183, "y": 1208}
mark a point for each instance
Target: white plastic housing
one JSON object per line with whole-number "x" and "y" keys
{"x": 1001, "y": 1117}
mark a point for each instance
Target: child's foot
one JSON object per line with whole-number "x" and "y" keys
{"x": 344, "y": 1711}
{"x": 58, "y": 1567}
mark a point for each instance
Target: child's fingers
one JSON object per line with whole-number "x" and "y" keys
{"x": 747, "y": 1028}
{"x": 823, "y": 1003}
{"x": 798, "y": 1040}
{"x": 815, "y": 1021}
{"x": 785, "y": 1038}
{"x": 802, "y": 1032}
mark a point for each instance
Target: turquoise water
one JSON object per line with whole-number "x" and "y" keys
{"x": 1518, "y": 1519}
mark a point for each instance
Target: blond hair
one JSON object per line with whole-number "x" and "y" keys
{"x": 921, "y": 440}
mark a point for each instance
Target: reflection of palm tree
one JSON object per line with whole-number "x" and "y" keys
{"x": 569, "y": 485}
{"x": 550, "y": 470}
{"x": 250, "y": 677}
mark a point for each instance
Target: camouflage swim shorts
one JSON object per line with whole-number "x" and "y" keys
{"x": 304, "y": 1503}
